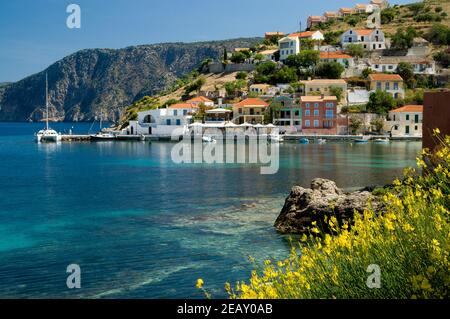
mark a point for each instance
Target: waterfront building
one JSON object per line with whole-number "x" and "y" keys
{"x": 250, "y": 110}
{"x": 162, "y": 122}
{"x": 370, "y": 39}
{"x": 391, "y": 83}
{"x": 319, "y": 114}
{"x": 405, "y": 121}
{"x": 288, "y": 114}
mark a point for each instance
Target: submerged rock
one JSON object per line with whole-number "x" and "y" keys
{"x": 307, "y": 205}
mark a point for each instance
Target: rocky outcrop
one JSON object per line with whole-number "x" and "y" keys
{"x": 91, "y": 82}
{"x": 324, "y": 198}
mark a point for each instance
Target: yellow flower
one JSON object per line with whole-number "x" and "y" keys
{"x": 425, "y": 285}
{"x": 436, "y": 131}
{"x": 200, "y": 283}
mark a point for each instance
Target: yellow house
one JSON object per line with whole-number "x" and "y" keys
{"x": 250, "y": 110}
{"x": 391, "y": 83}
{"x": 317, "y": 87}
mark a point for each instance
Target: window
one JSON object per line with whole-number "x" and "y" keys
{"x": 178, "y": 122}
{"x": 175, "y": 112}
{"x": 379, "y": 46}
{"x": 407, "y": 117}
{"x": 307, "y": 123}
{"x": 316, "y": 105}
{"x": 329, "y": 114}
{"x": 316, "y": 123}
{"x": 307, "y": 113}
{"x": 330, "y": 105}
{"x": 362, "y": 38}
{"x": 168, "y": 122}
{"x": 184, "y": 112}
{"x": 387, "y": 86}
{"x": 240, "y": 111}
{"x": 416, "y": 128}
{"x": 416, "y": 118}
{"x": 307, "y": 105}
{"x": 395, "y": 86}
{"x": 378, "y": 85}
{"x": 390, "y": 67}
{"x": 316, "y": 112}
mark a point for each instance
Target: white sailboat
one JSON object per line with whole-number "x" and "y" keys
{"x": 47, "y": 134}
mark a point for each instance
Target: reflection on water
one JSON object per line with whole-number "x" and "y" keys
{"x": 141, "y": 226}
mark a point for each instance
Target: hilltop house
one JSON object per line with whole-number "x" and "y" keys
{"x": 370, "y": 39}
{"x": 405, "y": 121}
{"x": 361, "y": 8}
{"x": 250, "y": 110}
{"x": 319, "y": 114}
{"x": 288, "y": 115}
{"x": 391, "y": 83}
{"x": 263, "y": 89}
{"x": 421, "y": 65}
{"x": 196, "y": 101}
{"x": 291, "y": 44}
{"x": 330, "y": 15}
{"x": 344, "y": 12}
{"x": 314, "y": 20}
{"x": 382, "y": 4}
{"x": 318, "y": 87}
{"x": 340, "y": 57}
{"x": 162, "y": 122}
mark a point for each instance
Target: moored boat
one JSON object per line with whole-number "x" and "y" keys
{"x": 47, "y": 135}
{"x": 304, "y": 141}
{"x": 382, "y": 140}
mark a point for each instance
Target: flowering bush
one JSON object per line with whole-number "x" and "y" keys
{"x": 410, "y": 243}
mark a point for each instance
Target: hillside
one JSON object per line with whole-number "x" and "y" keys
{"x": 90, "y": 82}
{"x": 398, "y": 17}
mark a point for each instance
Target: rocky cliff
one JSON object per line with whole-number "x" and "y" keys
{"x": 104, "y": 81}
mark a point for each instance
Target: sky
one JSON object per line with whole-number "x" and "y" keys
{"x": 34, "y": 34}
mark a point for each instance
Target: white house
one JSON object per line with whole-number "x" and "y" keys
{"x": 162, "y": 122}
{"x": 339, "y": 57}
{"x": 201, "y": 100}
{"x": 421, "y": 65}
{"x": 370, "y": 39}
{"x": 291, "y": 44}
{"x": 405, "y": 121}
{"x": 269, "y": 55}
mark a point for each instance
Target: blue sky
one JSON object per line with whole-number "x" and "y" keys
{"x": 33, "y": 34}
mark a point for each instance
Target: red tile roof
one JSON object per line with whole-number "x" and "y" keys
{"x": 334, "y": 55}
{"x": 183, "y": 106}
{"x": 385, "y": 77}
{"x": 252, "y": 102}
{"x": 409, "y": 108}
{"x": 364, "y": 31}
{"x": 307, "y": 34}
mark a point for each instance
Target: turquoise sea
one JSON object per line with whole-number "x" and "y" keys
{"x": 141, "y": 226}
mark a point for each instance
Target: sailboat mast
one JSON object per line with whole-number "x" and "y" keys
{"x": 46, "y": 99}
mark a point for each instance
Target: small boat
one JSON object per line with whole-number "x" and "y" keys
{"x": 103, "y": 136}
{"x": 208, "y": 139}
{"x": 304, "y": 141}
{"x": 47, "y": 135}
{"x": 382, "y": 140}
{"x": 361, "y": 141}
{"x": 321, "y": 141}
{"x": 276, "y": 138}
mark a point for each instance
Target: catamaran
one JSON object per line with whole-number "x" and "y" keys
{"x": 47, "y": 134}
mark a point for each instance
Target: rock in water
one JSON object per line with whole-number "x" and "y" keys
{"x": 324, "y": 198}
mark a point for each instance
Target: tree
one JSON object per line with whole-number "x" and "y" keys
{"x": 355, "y": 50}
{"x": 443, "y": 58}
{"x": 194, "y": 86}
{"x": 264, "y": 71}
{"x": 238, "y": 57}
{"x": 439, "y": 34}
{"x": 333, "y": 37}
{"x": 377, "y": 124}
{"x": 381, "y": 102}
{"x": 404, "y": 39}
{"x": 284, "y": 75}
{"x": 241, "y": 75}
{"x": 366, "y": 72}
{"x": 388, "y": 15}
{"x": 337, "y": 92}
{"x": 304, "y": 59}
{"x": 225, "y": 55}
{"x": 259, "y": 57}
{"x": 233, "y": 88}
{"x": 330, "y": 70}
{"x": 355, "y": 124}
{"x": 406, "y": 71}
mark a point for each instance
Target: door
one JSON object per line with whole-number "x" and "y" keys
{"x": 407, "y": 130}
{"x": 149, "y": 131}
{"x": 132, "y": 130}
